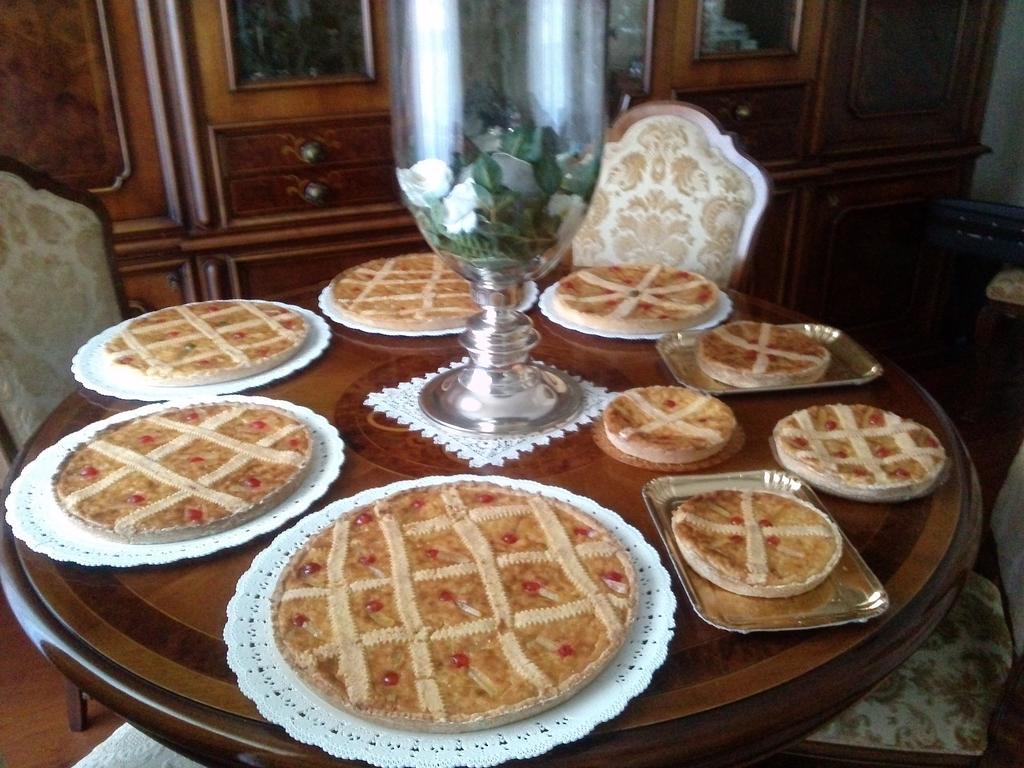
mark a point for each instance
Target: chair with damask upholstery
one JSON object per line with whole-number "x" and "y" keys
{"x": 57, "y": 289}
{"x": 959, "y": 699}
{"x": 673, "y": 190}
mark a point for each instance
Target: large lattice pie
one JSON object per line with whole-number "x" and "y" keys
{"x": 635, "y": 298}
{"x": 669, "y": 425}
{"x": 455, "y": 607}
{"x": 757, "y": 543}
{"x": 415, "y": 292}
{"x": 207, "y": 342}
{"x": 749, "y": 354}
{"x": 860, "y": 452}
{"x": 186, "y": 472}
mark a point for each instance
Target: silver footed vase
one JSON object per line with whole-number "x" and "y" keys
{"x": 498, "y": 110}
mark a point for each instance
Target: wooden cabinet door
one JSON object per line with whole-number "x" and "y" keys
{"x": 902, "y": 73}
{"x": 79, "y": 85}
{"x": 865, "y": 266}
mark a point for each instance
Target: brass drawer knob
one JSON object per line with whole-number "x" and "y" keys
{"x": 316, "y": 193}
{"x": 742, "y": 111}
{"x": 312, "y": 152}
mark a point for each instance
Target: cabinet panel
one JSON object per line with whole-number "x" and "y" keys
{"x": 77, "y": 97}
{"x": 291, "y": 273}
{"x": 768, "y": 264}
{"x": 769, "y": 120}
{"x": 153, "y": 283}
{"x": 901, "y": 72}
{"x": 225, "y": 101}
{"x": 866, "y": 267}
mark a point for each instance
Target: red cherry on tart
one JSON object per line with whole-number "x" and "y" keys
{"x": 310, "y": 568}
{"x": 509, "y": 538}
{"x": 565, "y": 650}
{"x": 88, "y": 471}
{"x": 459, "y": 660}
{"x": 300, "y": 620}
{"x": 194, "y": 515}
{"x": 253, "y": 482}
{"x": 390, "y": 678}
{"x": 363, "y": 518}
{"x": 374, "y": 606}
{"x": 136, "y": 498}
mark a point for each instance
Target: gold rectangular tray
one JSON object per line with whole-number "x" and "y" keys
{"x": 851, "y": 363}
{"x": 850, "y": 593}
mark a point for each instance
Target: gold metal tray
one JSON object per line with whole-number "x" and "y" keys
{"x": 851, "y": 363}
{"x": 850, "y": 593}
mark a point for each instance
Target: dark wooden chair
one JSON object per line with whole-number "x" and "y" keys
{"x": 58, "y": 288}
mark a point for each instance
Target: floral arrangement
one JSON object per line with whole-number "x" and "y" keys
{"x": 509, "y": 198}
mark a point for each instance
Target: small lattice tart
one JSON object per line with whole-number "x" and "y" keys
{"x": 749, "y": 354}
{"x": 757, "y": 543}
{"x": 183, "y": 473}
{"x": 668, "y": 425}
{"x": 860, "y": 452}
{"x": 206, "y": 342}
{"x": 455, "y": 607}
{"x": 635, "y": 298}
{"x": 415, "y": 292}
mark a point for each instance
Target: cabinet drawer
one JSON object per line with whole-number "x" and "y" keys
{"x": 769, "y": 120}
{"x": 311, "y": 190}
{"x": 257, "y": 150}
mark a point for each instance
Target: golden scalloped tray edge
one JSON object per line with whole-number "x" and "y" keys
{"x": 851, "y": 364}
{"x": 851, "y": 593}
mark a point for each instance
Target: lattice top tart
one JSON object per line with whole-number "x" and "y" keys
{"x": 635, "y": 298}
{"x": 182, "y": 473}
{"x": 749, "y": 354}
{"x": 757, "y": 543}
{"x": 455, "y": 607}
{"x": 207, "y": 342}
{"x": 415, "y": 292}
{"x": 669, "y": 425}
{"x": 860, "y": 452}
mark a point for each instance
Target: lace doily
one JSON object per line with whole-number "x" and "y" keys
{"x": 35, "y": 518}
{"x": 402, "y": 403}
{"x": 264, "y": 676}
{"x": 327, "y": 307}
{"x": 91, "y": 369}
{"x": 547, "y": 307}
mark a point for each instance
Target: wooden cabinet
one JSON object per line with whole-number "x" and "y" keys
{"x": 244, "y": 149}
{"x": 902, "y": 74}
{"x": 873, "y": 110}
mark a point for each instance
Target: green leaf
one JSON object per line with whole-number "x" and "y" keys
{"x": 580, "y": 179}
{"x": 487, "y": 173}
{"x": 548, "y": 174}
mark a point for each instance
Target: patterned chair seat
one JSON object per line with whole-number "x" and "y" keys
{"x": 672, "y": 190}
{"x": 1007, "y": 286}
{"x": 941, "y": 699}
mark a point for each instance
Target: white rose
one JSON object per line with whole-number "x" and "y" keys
{"x": 427, "y": 181}
{"x": 516, "y": 174}
{"x": 459, "y": 208}
{"x": 570, "y": 209}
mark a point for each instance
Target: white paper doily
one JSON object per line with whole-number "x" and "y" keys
{"x": 402, "y": 403}
{"x": 282, "y": 698}
{"x": 35, "y": 518}
{"x": 92, "y": 370}
{"x": 328, "y": 308}
{"x": 722, "y": 311}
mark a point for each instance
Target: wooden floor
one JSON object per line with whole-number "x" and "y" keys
{"x": 981, "y": 389}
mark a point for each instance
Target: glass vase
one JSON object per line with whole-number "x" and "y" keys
{"x": 498, "y": 110}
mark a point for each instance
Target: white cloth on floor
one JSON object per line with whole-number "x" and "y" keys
{"x": 128, "y": 747}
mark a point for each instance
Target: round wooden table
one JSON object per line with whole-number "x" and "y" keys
{"x": 147, "y": 641}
